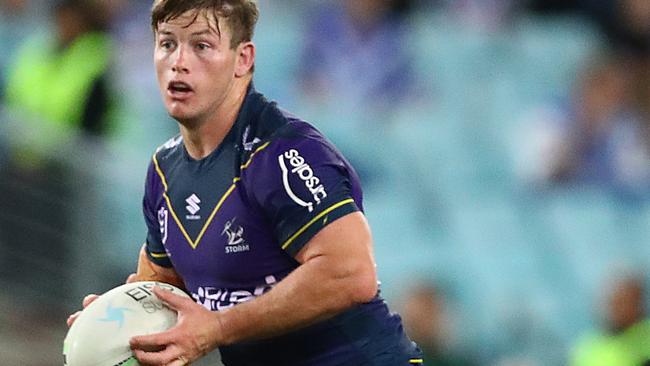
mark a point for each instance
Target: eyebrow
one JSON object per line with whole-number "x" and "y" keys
{"x": 202, "y": 32}
{"x": 194, "y": 34}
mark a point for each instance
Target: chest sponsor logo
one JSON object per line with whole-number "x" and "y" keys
{"x": 235, "y": 236}
{"x": 163, "y": 216}
{"x": 216, "y": 299}
{"x": 291, "y": 163}
{"x": 193, "y": 207}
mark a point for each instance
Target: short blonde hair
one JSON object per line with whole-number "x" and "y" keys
{"x": 240, "y": 15}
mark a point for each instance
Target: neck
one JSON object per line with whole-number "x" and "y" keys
{"x": 204, "y": 137}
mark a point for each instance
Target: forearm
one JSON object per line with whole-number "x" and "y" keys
{"x": 149, "y": 271}
{"x": 304, "y": 297}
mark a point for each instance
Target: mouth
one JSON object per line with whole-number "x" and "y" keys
{"x": 179, "y": 89}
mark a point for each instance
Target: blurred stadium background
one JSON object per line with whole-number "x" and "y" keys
{"x": 457, "y": 190}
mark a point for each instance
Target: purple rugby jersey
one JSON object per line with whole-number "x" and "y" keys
{"x": 230, "y": 225}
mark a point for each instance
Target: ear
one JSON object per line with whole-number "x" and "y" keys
{"x": 245, "y": 58}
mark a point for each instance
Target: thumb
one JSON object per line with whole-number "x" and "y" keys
{"x": 174, "y": 301}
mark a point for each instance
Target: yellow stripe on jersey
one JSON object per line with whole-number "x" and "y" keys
{"x": 195, "y": 243}
{"x": 214, "y": 212}
{"x": 159, "y": 171}
{"x": 169, "y": 203}
{"x": 158, "y": 255}
{"x": 312, "y": 221}
{"x": 416, "y": 361}
{"x": 250, "y": 159}
{"x": 178, "y": 222}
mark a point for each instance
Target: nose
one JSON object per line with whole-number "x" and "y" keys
{"x": 180, "y": 62}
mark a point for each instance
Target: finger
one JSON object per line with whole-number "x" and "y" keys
{"x": 179, "y": 360}
{"x": 172, "y": 300}
{"x": 167, "y": 356}
{"x": 72, "y": 318}
{"x": 89, "y": 299}
{"x": 132, "y": 278}
{"x": 157, "y": 341}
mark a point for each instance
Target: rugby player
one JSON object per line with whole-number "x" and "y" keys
{"x": 254, "y": 213}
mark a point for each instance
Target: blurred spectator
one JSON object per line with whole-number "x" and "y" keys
{"x": 56, "y": 91}
{"x": 60, "y": 78}
{"x": 596, "y": 137}
{"x": 625, "y": 337}
{"x": 427, "y": 324}
{"x": 483, "y": 15}
{"x": 355, "y": 52}
{"x": 601, "y": 135}
{"x": 627, "y": 24}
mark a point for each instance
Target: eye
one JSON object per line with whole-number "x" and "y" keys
{"x": 166, "y": 44}
{"x": 202, "y": 46}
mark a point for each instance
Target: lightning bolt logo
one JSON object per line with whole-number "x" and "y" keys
{"x": 114, "y": 315}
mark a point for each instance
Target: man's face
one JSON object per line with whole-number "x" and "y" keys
{"x": 194, "y": 64}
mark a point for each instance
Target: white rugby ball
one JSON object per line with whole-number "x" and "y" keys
{"x": 100, "y": 335}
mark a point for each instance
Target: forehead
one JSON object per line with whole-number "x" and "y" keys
{"x": 192, "y": 21}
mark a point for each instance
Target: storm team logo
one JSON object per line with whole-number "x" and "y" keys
{"x": 235, "y": 236}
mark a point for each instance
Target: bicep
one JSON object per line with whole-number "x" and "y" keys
{"x": 349, "y": 235}
{"x": 343, "y": 250}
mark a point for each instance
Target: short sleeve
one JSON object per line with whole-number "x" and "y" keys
{"x": 301, "y": 184}
{"x": 155, "y": 220}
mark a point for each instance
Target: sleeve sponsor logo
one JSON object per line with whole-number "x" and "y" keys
{"x": 299, "y": 167}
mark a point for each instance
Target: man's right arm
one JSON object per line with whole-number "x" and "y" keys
{"x": 149, "y": 271}
{"x": 153, "y": 262}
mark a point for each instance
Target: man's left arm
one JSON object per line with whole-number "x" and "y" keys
{"x": 337, "y": 271}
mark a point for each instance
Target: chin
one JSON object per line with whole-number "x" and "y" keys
{"x": 181, "y": 114}
{"x": 182, "y": 118}
{"x": 189, "y": 120}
